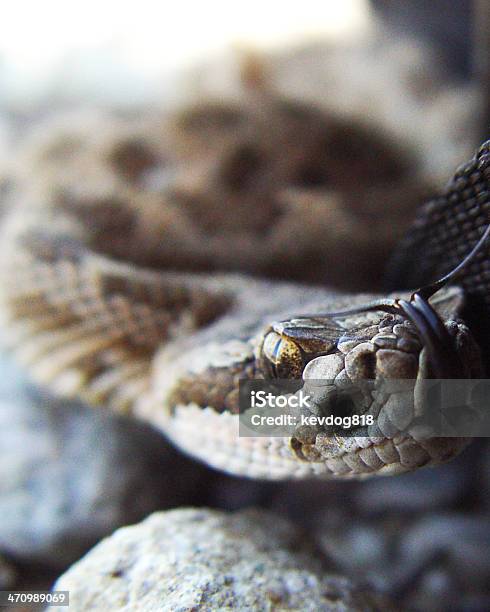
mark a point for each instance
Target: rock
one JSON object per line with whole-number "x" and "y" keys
{"x": 192, "y": 559}
{"x": 446, "y": 556}
{"x": 464, "y": 539}
{"x": 483, "y": 462}
{"x": 414, "y": 559}
{"x": 70, "y": 475}
{"x": 417, "y": 491}
{"x": 8, "y": 574}
{"x": 360, "y": 549}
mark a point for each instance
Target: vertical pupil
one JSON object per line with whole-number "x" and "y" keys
{"x": 275, "y": 352}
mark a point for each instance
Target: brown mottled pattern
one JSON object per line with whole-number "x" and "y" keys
{"x": 93, "y": 305}
{"x": 216, "y": 388}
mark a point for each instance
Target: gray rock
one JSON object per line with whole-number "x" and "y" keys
{"x": 420, "y": 561}
{"x": 483, "y": 462}
{"x": 446, "y": 563}
{"x": 8, "y": 574}
{"x": 462, "y": 539}
{"x": 417, "y": 491}
{"x": 70, "y": 475}
{"x": 191, "y": 559}
{"x": 357, "y": 548}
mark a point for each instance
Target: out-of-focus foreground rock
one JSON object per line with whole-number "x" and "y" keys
{"x": 206, "y": 560}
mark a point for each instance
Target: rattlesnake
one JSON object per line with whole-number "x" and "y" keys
{"x": 104, "y": 293}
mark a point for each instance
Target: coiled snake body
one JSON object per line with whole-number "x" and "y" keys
{"x": 170, "y": 345}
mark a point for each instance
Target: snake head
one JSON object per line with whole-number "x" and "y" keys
{"x": 345, "y": 362}
{"x": 410, "y": 338}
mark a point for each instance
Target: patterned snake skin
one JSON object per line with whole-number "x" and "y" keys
{"x": 90, "y": 315}
{"x": 443, "y": 232}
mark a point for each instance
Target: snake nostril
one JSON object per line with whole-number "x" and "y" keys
{"x": 343, "y": 406}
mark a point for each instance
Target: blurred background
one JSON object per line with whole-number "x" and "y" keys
{"x": 410, "y": 77}
{"x": 105, "y": 53}
{"x": 127, "y": 55}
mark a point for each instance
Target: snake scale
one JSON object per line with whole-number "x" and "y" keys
{"x": 89, "y": 317}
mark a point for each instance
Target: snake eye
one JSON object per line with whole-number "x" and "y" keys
{"x": 281, "y": 357}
